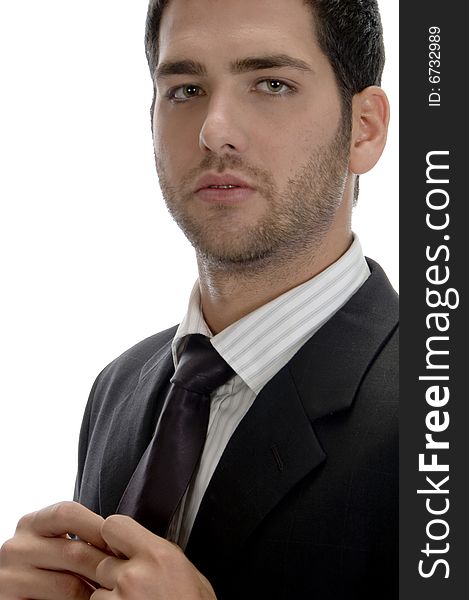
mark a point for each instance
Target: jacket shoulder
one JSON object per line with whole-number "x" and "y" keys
{"x": 139, "y": 354}
{"x": 122, "y": 374}
{"x": 112, "y": 387}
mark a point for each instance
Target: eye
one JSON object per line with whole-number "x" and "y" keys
{"x": 184, "y": 92}
{"x": 275, "y": 87}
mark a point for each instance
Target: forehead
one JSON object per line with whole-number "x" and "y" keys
{"x": 226, "y": 29}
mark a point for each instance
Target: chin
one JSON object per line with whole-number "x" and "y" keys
{"x": 234, "y": 256}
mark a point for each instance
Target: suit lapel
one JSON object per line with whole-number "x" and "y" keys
{"x": 273, "y": 448}
{"x": 132, "y": 427}
{"x": 330, "y": 367}
{"x": 275, "y": 445}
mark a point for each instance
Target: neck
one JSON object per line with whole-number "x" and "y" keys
{"x": 229, "y": 294}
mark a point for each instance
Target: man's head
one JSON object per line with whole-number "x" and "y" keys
{"x": 276, "y": 92}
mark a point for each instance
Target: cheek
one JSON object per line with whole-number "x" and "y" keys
{"x": 173, "y": 144}
{"x": 178, "y": 124}
{"x": 294, "y": 147}
{"x": 285, "y": 149}
{"x": 313, "y": 137}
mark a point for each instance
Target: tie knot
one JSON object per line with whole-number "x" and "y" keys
{"x": 201, "y": 369}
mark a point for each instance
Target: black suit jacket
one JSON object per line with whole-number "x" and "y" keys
{"x": 304, "y": 501}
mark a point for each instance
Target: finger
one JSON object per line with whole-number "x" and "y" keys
{"x": 77, "y": 557}
{"x": 107, "y": 572}
{"x": 54, "y": 554}
{"x": 44, "y": 585}
{"x": 66, "y": 517}
{"x": 127, "y": 537}
{"x": 101, "y": 594}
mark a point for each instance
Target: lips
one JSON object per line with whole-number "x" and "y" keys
{"x": 220, "y": 181}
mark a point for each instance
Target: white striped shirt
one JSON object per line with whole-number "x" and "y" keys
{"x": 257, "y": 347}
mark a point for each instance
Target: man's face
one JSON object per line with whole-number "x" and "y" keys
{"x": 276, "y": 129}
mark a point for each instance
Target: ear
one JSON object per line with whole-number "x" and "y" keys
{"x": 370, "y": 115}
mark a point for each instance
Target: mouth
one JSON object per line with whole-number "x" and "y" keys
{"x": 223, "y": 182}
{"x": 221, "y": 187}
{"x": 225, "y": 194}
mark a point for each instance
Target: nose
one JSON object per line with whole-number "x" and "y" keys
{"x": 223, "y": 128}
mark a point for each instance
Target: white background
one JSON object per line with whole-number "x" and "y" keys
{"x": 86, "y": 269}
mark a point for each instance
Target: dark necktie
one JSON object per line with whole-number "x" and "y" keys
{"x": 166, "y": 468}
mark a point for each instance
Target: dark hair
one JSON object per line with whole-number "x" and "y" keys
{"x": 349, "y": 32}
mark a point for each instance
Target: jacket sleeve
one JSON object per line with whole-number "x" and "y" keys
{"x": 83, "y": 440}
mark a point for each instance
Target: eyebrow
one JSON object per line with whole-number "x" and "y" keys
{"x": 241, "y": 65}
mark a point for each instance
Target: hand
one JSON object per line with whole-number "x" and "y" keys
{"x": 40, "y": 562}
{"x": 149, "y": 566}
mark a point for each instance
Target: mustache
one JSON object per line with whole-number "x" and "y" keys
{"x": 224, "y": 162}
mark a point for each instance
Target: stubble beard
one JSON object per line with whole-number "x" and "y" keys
{"x": 295, "y": 222}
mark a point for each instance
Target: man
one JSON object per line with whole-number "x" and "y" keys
{"x": 264, "y": 115}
